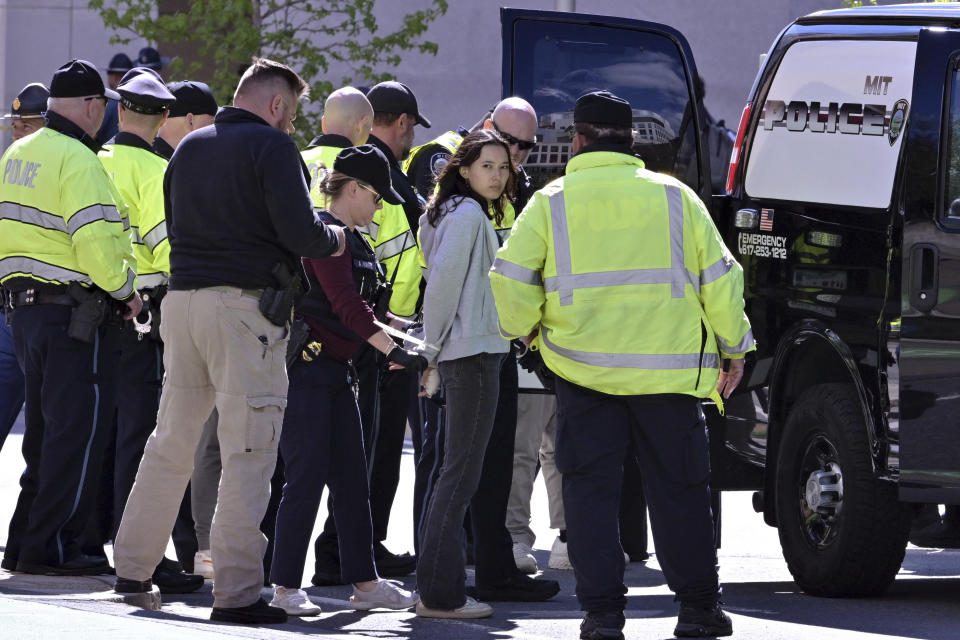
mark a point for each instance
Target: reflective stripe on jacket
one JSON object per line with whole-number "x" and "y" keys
{"x": 627, "y": 278}
{"x": 138, "y": 176}
{"x": 59, "y": 220}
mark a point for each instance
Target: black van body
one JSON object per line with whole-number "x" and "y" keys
{"x": 849, "y": 413}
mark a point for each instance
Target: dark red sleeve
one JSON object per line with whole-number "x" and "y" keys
{"x": 335, "y": 275}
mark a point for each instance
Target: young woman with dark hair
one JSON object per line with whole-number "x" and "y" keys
{"x": 459, "y": 243}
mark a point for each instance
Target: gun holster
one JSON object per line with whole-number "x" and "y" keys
{"x": 299, "y": 338}
{"x": 90, "y": 312}
{"x": 276, "y": 303}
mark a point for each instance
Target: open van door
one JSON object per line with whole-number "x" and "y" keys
{"x": 552, "y": 58}
{"x": 929, "y": 355}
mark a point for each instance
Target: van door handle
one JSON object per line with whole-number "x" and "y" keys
{"x": 924, "y": 276}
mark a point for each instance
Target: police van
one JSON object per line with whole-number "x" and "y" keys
{"x": 842, "y": 203}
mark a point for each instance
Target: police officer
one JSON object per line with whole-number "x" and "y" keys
{"x": 195, "y": 107}
{"x": 27, "y": 116}
{"x": 119, "y": 65}
{"x": 339, "y": 310}
{"x": 347, "y": 121}
{"x": 27, "y": 110}
{"x": 620, "y": 278}
{"x": 67, "y": 264}
{"x": 137, "y": 172}
{"x": 238, "y": 216}
{"x": 395, "y": 115}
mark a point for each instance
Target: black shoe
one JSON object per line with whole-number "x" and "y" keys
{"x": 393, "y": 565}
{"x": 520, "y": 588}
{"x": 257, "y": 613}
{"x": 126, "y": 585}
{"x": 170, "y": 578}
{"x": 602, "y": 626}
{"x": 939, "y": 534}
{"x": 10, "y": 564}
{"x": 638, "y": 556}
{"x": 327, "y": 579}
{"x": 81, "y": 565}
{"x": 702, "y": 622}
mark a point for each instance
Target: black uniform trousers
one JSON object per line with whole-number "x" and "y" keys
{"x": 384, "y": 398}
{"x": 70, "y": 397}
{"x": 492, "y": 544}
{"x": 594, "y": 432}
{"x": 322, "y": 444}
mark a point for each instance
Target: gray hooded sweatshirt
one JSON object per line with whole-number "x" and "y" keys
{"x": 459, "y": 314}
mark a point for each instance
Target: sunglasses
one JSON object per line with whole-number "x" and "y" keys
{"x": 524, "y": 145}
{"x": 376, "y": 196}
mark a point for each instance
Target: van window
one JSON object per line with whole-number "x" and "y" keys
{"x": 831, "y": 123}
{"x": 556, "y": 63}
{"x": 951, "y": 205}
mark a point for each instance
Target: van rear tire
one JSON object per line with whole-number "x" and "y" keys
{"x": 843, "y": 532}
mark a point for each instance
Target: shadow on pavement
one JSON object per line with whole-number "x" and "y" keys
{"x": 923, "y": 608}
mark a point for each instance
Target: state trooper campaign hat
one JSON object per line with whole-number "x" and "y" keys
{"x": 368, "y": 164}
{"x": 395, "y": 97}
{"x": 79, "y": 78}
{"x": 192, "y": 97}
{"x": 151, "y": 58}
{"x": 120, "y": 63}
{"x": 145, "y": 93}
{"x": 604, "y": 109}
{"x": 31, "y": 102}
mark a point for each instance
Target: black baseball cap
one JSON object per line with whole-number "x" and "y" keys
{"x": 192, "y": 97}
{"x": 145, "y": 94}
{"x": 120, "y": 63}
{"x": 603, "y": 108}
{"x": 79, "y": 78}
{"x": 395, "y": 97}
{"x": 151, "y": 58}
{"x": 368, "y": 164}
{"x": 31, "y": 102}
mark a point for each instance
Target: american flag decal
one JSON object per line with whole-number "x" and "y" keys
{"x": 766, "y": 219}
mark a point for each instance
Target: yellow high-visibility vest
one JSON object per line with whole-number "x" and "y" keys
{"x": 627, "y": 278}
{"x": 59, "y": 220}
{"x": 138, "y": 176}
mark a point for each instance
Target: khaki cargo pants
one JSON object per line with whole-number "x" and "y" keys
{"x": 219, "y": 351}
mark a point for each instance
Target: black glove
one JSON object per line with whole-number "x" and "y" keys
{"x": 408, "y": 359}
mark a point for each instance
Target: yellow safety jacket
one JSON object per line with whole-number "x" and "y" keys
{"x": 396, "y": 248}
{"x": 137, "y": 173}
{"x": 317, "y": 158}
{"x": 627, "y": 278}
{"x": 59, "y": 220}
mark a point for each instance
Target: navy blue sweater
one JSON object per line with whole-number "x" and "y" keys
{"x": 237, "y": 203}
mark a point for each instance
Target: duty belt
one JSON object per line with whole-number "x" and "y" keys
{"x": 256, "y": 294}
{"x": 32, "y": 296}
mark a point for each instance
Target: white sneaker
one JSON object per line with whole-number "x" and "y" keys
{"x": 203, "y": 564}
{"x": 295, "y": 602}
{"x": 558, "y": 556}
{"x": 523, "y": 557}
{"x": 470, "y": 609}
{"x": 388, "y": 594}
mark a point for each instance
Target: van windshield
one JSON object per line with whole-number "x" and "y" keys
{"x": 554, "y": 64}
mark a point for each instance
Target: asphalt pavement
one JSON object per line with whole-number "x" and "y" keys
{"x": 924, "y": 602}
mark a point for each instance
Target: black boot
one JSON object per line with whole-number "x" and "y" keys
{"x": 170, "y": 578}
{"x": 702, "y": 622}
{"x": 602, "y": 626}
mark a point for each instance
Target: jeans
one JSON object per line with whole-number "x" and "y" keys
{"x": 472, "y": 386}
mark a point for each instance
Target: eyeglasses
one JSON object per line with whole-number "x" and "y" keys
{"x": 524, "y": 145}
{"x": 104, "y": 98}
{"x": 376, "y": 196}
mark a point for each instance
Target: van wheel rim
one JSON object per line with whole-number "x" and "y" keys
{"x": 821, "y": 491}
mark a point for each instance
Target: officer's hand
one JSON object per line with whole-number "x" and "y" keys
{"x": 526, "y": 340}
{"x": 341, "y": 240}
{"x": 730, "y": 378}
{"x": 134, "y": 307}
{"x": 406, "y": 359}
